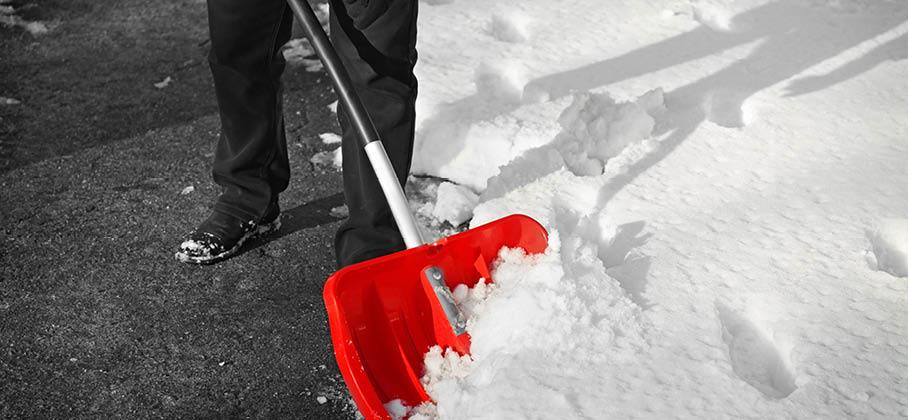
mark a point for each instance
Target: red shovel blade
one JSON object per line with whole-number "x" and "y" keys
{"x": 384, "y": 317}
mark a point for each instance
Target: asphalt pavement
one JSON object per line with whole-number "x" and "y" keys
{"x": 102, "y": 175}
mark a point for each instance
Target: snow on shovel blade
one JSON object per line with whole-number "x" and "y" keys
{"x": 384, "y": 314}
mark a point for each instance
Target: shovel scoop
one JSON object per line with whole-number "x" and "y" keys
{"x": 386, "y": 313}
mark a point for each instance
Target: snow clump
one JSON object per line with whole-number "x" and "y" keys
{"x": 890, "y": 246}
{"x": 454, "y": 203}
{"x": 595, "y": 128}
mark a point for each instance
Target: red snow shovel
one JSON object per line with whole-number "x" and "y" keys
{"x": 386, "y": 313}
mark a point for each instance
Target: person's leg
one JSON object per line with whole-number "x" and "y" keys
{"x": 250, "y": 162}
{"x": 376, "y": 41}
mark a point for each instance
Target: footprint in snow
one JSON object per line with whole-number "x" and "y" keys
{"x": 755, "y": 357}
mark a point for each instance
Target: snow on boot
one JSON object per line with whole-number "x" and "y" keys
{"x": 221, "y": 236}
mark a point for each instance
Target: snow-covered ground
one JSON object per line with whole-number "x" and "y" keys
{"x": 725, "y": 185}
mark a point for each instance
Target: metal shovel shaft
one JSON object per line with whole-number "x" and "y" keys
{"x": 365, "y": 129}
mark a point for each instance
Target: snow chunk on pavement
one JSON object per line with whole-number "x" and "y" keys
{"x": 454, "y": 203}
{"x": 164, "y": 83}
{"x": 330, "y": 138}
{"x": 297, "y": 49}
{"x": 330, "y": 157}
{"x": 890, "y": 246}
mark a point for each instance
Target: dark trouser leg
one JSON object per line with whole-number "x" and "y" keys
{"x": 250, "y": 163}
{"x": 376, "y": 41}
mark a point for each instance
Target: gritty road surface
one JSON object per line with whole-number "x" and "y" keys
{"x": 96, "y": 318}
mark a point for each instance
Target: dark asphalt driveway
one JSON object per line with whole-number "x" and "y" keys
{"x": 96, "y": 318}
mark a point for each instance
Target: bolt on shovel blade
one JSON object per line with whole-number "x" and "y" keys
{"x": 384, "y": 315}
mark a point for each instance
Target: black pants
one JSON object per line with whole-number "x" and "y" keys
{"x": 376, "y": 40}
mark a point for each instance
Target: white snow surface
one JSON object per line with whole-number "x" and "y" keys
{"x": 719, "y": 180}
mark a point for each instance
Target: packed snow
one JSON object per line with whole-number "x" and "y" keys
{"x": 725, "y": 188}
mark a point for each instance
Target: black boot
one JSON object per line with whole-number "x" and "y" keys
{"x": 221, "y": 236}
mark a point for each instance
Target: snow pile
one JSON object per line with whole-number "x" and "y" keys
{"x": 562, "y": 311}
{"x": 705, "y": 171}
{"x": 561, "y": 325}
{"x": 890, "y": 246}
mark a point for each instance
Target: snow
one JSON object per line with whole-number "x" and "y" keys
{"x": 340, "y": 211}
{"x": 9, "y": 17}
{"x": 297, "y": 49}
{"x": 333, "y": 158}
{"x": 512, "y": 27}
{"x": 330, "y": 138}
{"x": 890, "y": 246}
{"x": 396, "y": 409}
{"x": 164, "y": 83}
{"x": 725, "y": 189}
{"x": 454, "y": 203}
